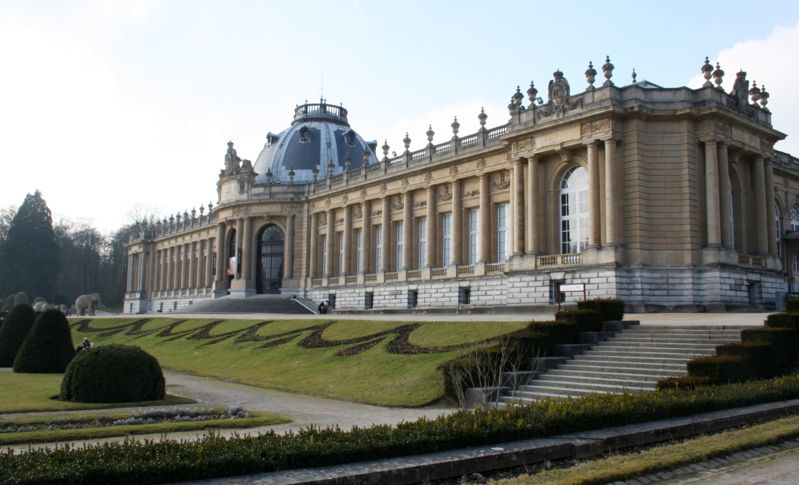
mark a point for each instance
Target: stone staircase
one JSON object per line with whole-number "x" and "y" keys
{"x": 632, "y": 359}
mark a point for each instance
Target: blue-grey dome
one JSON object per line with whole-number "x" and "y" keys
{"x": 319, "y": 135}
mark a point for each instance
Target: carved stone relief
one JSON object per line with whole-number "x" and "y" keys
{"x": 593, "y": 128}
{"x": 323, "y": 219}
{"x": 443, "y": 193}
{"x": 357, "y": 213}
{"x": 500, "y": 181}
{"x": 396, "y": 203}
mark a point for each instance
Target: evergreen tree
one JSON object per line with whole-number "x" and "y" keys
{"x": 29, "y": 258}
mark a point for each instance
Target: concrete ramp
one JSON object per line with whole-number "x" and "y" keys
{"x": 253, "y": 304}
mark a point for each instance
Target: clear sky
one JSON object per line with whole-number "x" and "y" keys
{"x": 116, "y": 108}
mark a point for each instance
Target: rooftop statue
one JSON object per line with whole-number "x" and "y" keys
{"x": 232, "y": 160}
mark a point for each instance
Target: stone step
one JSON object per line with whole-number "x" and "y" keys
{"x": 530, "y": 397}
{"x": 679, "y": 331}
{"x": 631, "y": 360}
{"x": 663, "y": 338}
{"x": 569, "y": 388}
{"x": 613, "y": 366}
{"x": 581, "y": 381}
{"x": 632, "y": 375}
{"x": 626, "y": 353}
{"x": 657, "y": 347}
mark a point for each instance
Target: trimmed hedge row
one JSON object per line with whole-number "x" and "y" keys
{"x": 792, "y": 305}
{"x": 586, "y": 320}
{"x": 609, "y": 309}
{"x": 213, "y": 456}
{"x": 762, "y": 353}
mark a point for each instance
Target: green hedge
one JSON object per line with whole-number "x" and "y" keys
{"x": 113, "y": 373}
{"x": 48, "y": 348}
{"x": 586, "y": 320}
{"x": 16, "y": 327}
{"x": 783, "y": 320}
{"x": 609, "y": 309}
{"x": 723, "y": 368}
{"x": 214, "y": 456}
{"x": 792, "y": 305}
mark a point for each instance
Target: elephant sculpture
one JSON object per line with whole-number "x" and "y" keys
{"x": 87, "y": 303}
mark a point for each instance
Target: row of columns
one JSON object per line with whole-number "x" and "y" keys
{"x": 432, "y": 236}
{"x": 718, "y": 206}
{"x": 182, "y": 267}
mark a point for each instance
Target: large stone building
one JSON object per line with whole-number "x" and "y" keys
{"x": 664, "y": 197}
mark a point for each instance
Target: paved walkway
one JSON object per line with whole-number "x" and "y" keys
{"x": 738, "y": 319}
{"x": 302, "y": 410}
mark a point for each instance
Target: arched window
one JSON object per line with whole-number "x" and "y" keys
{"x": 795, "y": 218}
{"x": 778, "y": 226}
{"x": 574, "y": 216}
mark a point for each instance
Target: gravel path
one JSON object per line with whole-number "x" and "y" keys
{"x": 302, "y": 410}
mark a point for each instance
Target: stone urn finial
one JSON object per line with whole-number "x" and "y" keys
{"x": 607, "y": 71}
{"x": 532, "y": 92}
{"x": 482, "y": 117}
{"x": 518, "y": 97}
{"x": 707, "y": 72}
{"x": 455, "y": 127}
{"x": 406, "y": 141}
{"x": 718, "y": 76}
{"x": 430, "y": 133}
{"x": 635, "y": 76}
{"x": 754, "y": 92}
{"x": 763, "y": 97}
{"x": 385, "y": 148}
{"x": 590, "y": 75}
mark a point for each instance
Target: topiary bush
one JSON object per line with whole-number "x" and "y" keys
{"x": 609, "y": 309}
{"x": 113, "y": 373}
{"x": 48, "y": 348}
{"x": 586, "y": 320}
{"x": 16, "y": 327}
{"x": 792, "y": 305}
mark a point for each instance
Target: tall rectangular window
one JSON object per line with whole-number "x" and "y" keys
{"x": 502, "y": 232}
{"x": 378, "y": 248}
{"x": 400, "y": 245}
{"x": 422, "y": 221}
{"x": 474, "y": 237}
{"x": 446, "y": 239}
{"x": 358, "y": 249}
{"x": 324, "y": 255}
{"x": 340, "y": 238}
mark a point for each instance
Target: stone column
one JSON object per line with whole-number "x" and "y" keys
{"x": 712, "y": 195}
{"x": 485, "y": 220}
{"x": 237, "y": 253}
{"x": 246, "y": 251}
{"x": 209, "y": 261}
{"x": 595, "y": 231}
{"x": 366, "y": 234}
{"x": 179, "y": 267}
{"x": 192, "y": 257}
{"x": 761, "y": 206}
{"x": 142, "y": 269}
{"x": 129, "y": 283}
{"x": 457, "y": 224}
{"x": 346, "y": 241}
{"x": 330, "y": 242}
{"x": 164, "y": 269}
{"x": 388, "y": 245}
{"x": 430, "y": 228}
{"x": 531, "y": 244}
{"x": 771, "y": 210}
{"x": 517, "y": 206}
{"x": 613, "y": 195}
{"x": 407, "y": 231}
{"x": 288, "y": 257}
{"x": 219, "y": 279}
{"x": 727, "y": 238}
{"x": 313, "y": 259}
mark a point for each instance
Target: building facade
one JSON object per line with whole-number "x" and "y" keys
{"x": 663, "y": 197}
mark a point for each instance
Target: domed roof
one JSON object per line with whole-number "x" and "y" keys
{"x": 319, "y": 135}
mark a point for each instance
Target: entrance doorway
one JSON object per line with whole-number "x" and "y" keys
{"x": 269, "y": 269}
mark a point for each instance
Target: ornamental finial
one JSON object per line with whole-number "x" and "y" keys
{"x": 532, "y": 92}
{"x": 455, "y": 126}
{"x": 718, "y": 76}
{"x": 430, "y": 134}
{"x": 482, "y": 117}
{"x": 406, "y": 141}
{"x": 590, "y": 74}
{"x": 707, "y": 72}
{"x": 607, "y": 71}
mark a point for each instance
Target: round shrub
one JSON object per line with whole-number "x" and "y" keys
{"x": 16, "y": 327}
{"x": 48, "y": 348}
{"x": 113, "y": 373}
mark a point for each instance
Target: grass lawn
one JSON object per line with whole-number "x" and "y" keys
{"x": 660, "y": 458}
{"x": 33, "y": 392}
{"x": 47, "y": 436}
{"x": 386, "y": 363}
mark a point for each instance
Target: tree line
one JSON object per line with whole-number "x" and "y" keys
{"x": 60, "y": 260}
